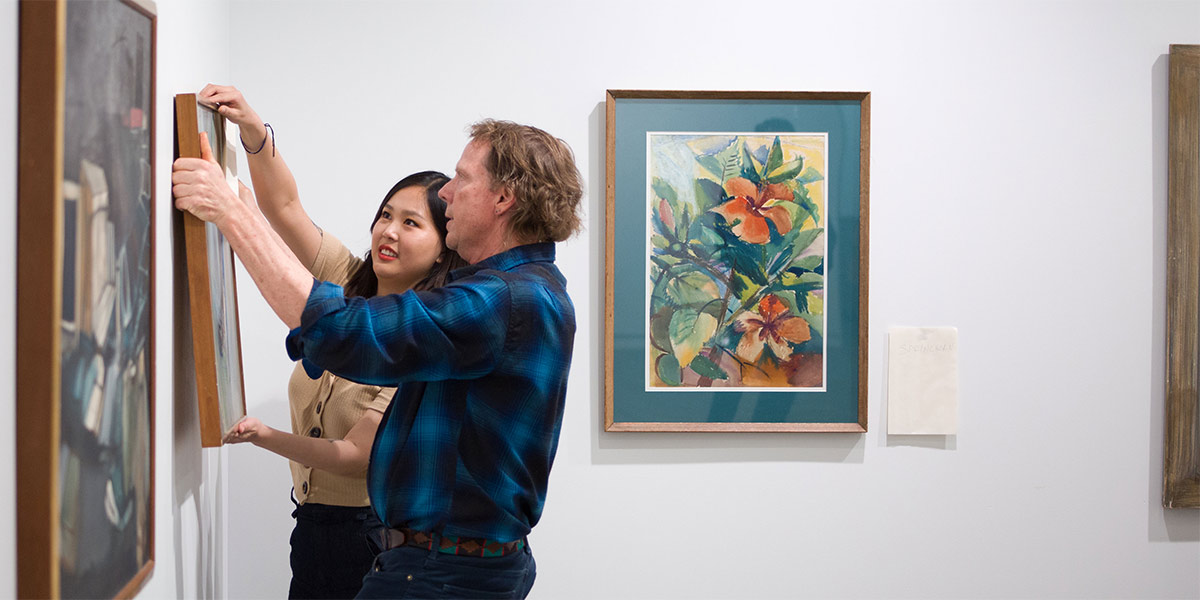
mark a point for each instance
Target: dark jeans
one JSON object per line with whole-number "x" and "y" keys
{"x": 330, "y": 553}
{"x": 409, "y": 572}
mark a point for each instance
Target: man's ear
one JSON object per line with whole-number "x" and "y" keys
{"x": 505, "y": 201}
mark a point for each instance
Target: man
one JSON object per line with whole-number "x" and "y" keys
{"x": 460, "y": 463}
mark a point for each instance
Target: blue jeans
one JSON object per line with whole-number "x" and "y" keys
{"x": 330, "y": 553}
{"x": 410, "y": 572}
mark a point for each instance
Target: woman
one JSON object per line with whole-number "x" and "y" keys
{"x": 334, "y": 420}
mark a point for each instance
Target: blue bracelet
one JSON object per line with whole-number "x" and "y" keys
{"x": 264, "y": 142}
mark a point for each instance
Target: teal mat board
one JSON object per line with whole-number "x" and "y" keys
{"x": 841, "y": 120}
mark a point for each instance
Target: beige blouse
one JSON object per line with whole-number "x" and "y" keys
{"x": 329, "y": 407}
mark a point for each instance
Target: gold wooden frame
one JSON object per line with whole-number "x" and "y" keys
{"x": 1181, "y": 444}
{"x": 864, "y": 101}
{"x": 40, "y": 269}
{"x": 200, "y": 293}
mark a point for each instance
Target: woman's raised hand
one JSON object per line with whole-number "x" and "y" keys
{"x": 228, "y": 101}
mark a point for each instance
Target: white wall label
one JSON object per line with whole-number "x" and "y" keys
{"x": 922, "y": 394}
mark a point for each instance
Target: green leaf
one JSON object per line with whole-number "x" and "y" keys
{"x": 809, "y": 263}
{"x": 682, "y": 222}
{"x": 810, "y": 175}
{"x": 711, "y": 164}
{"x": 709, "y": 236}
{"x": 709, "y": 194}
{"x": 775, "y": 156}
{"x": 785, "y": 171}
{"x": 691, "y": 288}
{"x": 805, "y": 281}
{"x": 660, "y": 328}
{"x": 815, "y": 322}
{"x": 690, "y": 329}
{"x": 750, "y": 167}
{"x": 756, "y": 273}
{"x": 789, "y": 247}
{"x": 697, "y": 246}
{"x": 668, "y": 370}
{"x": 728, "y": 159}
{"x": 743, "y": 287}
{"x": 805, "y": 238}
{"x": 713, "y": 308}
{"x": 660, "y": 294}
{"x": 664, "y": 190}
{"x": 705, "y": 367}
{"x": 663, "y": 262}
{"x": 800, "y": 194}
{"x": 789, "y": 279}
{"x": 659, "y": 241}
{"x": 816, "y": 303}
{"x": 801, "y": 198}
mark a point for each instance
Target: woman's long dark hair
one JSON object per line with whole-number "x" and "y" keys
{"x": 364, "y": 282}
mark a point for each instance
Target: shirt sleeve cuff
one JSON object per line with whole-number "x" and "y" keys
{"x": 323, "y": 299}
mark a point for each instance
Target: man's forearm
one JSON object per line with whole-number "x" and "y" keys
{"x": 282, "y": 280}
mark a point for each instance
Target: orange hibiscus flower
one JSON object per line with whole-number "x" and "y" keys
{"x": 773, "y": 326}
{"x": 751, "y": 205}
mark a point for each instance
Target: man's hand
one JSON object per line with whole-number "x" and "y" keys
{"x": 199, "y": 186}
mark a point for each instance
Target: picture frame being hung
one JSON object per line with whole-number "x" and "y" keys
{"x": 736, "y": 261}
{"x": 1181, "y": 443}
{"x": 212, "y": 285}
{"x": 85, "y": 301}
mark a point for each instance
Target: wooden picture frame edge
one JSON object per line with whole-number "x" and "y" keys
{"x": 864, "y": 100}
{"x": 1181, "y": 464}
{"x": 41, "y": 98}
{"x": 864, "y": 252}
{"x": 41, "y": 101}
{"x": 187, "y": 130}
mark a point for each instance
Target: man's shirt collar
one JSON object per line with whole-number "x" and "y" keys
{"x": 508, "y": 260}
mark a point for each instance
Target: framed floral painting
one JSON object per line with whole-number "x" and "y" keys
{"x": 736, "y": 263}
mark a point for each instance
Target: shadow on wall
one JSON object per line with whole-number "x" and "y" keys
{"x": 197, "y": 509}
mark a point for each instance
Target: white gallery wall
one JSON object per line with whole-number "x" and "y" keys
{"x": 1018, "y": 192}
{"x": 191, "y": 485}
{"x": 8, "y": 301}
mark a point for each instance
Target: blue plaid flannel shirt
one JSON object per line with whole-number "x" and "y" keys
{"x": 481, "y": 365}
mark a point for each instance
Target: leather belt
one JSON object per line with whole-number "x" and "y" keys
{"x": 396, "y": 537}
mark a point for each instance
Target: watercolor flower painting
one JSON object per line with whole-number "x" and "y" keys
{"x": 736, "y": 260}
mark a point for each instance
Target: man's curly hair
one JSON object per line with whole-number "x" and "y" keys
{"x": 540, "y": 171}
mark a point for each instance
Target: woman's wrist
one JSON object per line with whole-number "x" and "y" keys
{"x": 253, "y": 135}
{"x": 263, "y": 439}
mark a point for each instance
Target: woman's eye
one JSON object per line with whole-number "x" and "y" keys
{"x": 410, "y": 222}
